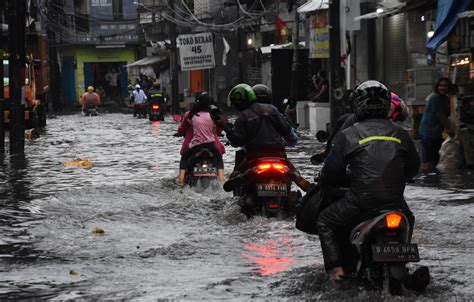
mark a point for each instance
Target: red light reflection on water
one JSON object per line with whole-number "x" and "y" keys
{"x": 155, "y": 128}
{"x": 271, "y": 257}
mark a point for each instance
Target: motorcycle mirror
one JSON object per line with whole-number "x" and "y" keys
{"x": 322, "y": 136}
{"x": 317, "y": 159}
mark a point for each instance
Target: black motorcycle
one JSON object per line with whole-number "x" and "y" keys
{"x": 377, "y": 250}
{"x": 264, "y": 188}
{"x": 201, "y": 169}
{"x": 90, "y": 110}
{"x": 156, "y": 109}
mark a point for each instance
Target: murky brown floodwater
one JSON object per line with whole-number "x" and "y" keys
{"x": 160, "y": 241}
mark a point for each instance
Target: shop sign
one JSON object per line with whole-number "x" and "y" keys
{"x": 101, "y": 3}
{"x": 319, "y": 35}
{"x": 196, "y": 51}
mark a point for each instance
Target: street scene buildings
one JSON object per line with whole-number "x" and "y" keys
{"x": 101, "y": 99}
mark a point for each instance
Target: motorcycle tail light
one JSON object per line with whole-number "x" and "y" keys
{"x": 155, "y": 107}
{"x": 263, "y": 167}
{"x": 275, "y": 166}
{"x": 393, "y": 220}
{"x": 280, "y": 168}
{"x": 204, "y": 165}
{"x": 273, "y": 206}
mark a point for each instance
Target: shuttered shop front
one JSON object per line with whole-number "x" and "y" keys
{"x": 395, "y": 53}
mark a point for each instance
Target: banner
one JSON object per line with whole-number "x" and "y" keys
{"x": 319, "y": 35}
{"x": 196, "y": 51}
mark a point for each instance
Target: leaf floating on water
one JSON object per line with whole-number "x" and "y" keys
{"x": 98, "y": 230}
{"x": 73, "y": 272}
{"x": 79, "y": 162}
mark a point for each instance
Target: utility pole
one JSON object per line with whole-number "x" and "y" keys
{"x": 294, "y": 67}
{"x": 334, "y": 59}
{"x": 2, "y": 121}
{"x": 174, "y": 63}
{"x": 17, "y": 51}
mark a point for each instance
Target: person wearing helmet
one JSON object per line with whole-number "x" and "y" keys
{"x": 204, "y": 135}
{"x": 89, "y": 99}
{"x": 259, "y": 128}
{"x": 139, "y": 100}
{"x": 381, "y": 157}
{"x": 263, "y": 93}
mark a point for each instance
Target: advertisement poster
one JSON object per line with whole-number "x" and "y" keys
{"x": 319, "y": 36}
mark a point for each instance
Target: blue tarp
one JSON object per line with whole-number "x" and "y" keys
{"x": 446, "y": 18}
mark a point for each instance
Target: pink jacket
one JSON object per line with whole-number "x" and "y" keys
{"x": 186, "y": 129}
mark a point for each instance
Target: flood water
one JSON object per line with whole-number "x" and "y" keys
{"x": 161, "y": 241}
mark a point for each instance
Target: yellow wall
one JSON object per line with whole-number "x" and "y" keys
{"x": 94, "y": 55}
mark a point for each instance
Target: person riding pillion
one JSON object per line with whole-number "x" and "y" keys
{"x": 380, "y": 156}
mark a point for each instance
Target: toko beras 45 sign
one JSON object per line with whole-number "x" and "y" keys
{"x": 196, "y": 51}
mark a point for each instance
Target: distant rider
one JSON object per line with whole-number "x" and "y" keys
{"x": 139, "y": 99}
{"x": 381, "y": 157}
{"x": 260, "y": 128}
{"x": 90, "y": 98}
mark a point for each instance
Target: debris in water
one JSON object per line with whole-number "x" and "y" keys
{"x": 79, "y": 162}
{"x": 98, "y": 230}
{"x": 73, "y": 272}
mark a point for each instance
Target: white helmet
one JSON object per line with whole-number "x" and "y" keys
{"x": 137, "y": 86}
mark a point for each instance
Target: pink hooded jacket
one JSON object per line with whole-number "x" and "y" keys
{"x": 186, "y": 129}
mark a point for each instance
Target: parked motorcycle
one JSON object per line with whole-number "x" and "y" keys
{"x": 201, "y": 169}
{"x": 264, "y": 187}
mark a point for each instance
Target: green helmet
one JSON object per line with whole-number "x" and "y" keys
{"x": 241, "y": 96}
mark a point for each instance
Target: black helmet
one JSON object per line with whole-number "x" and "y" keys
{"x": 371, "y": 99}
{"x": 241, "y": 96}
{"x": 263, "y": 93}
{"x": 203, "y": 99}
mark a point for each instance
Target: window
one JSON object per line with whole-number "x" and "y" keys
{"x": 6, "y": 79}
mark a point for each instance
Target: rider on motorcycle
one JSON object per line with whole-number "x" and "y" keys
{"x": 259, "y": 128}
{"x": 90, "y": 98}
{"x": 381, "y": 157}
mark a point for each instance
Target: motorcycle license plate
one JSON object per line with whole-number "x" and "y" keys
{"x": 200, "y": 171}
{"x": 395, "y": 252}
{"x": 271, "y": 190}
{"x": 155, "y": 113}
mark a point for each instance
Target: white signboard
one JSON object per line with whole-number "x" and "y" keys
{"x": 196, "y": 51}
{"x": 101, "y": 3}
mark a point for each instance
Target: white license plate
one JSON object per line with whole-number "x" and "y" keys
{"x": 200, "y": 171}
{"x": 395, "y": 252}
{"x": 272, "y": 189}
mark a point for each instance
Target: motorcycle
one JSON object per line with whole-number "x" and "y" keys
{"x": 156, "y": 110}
{"x": 377, "y": 250}
{"x": 91, "y": 110}
{"x": 201, "y": 169}
{"x": 264, "y": 187}
{"x": 140, "y": 110}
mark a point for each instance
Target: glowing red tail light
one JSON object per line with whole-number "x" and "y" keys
{"x": 273, "y": 206}
{"x": 272, "y": 166}
{"x": 393, "y": 220}
{"x": 155, "y": 107}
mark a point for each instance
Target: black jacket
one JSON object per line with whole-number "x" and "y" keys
{"x": 380, "y": 156}
{"x": 260, "y": 126}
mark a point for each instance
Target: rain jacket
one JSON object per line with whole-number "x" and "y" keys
{"x": 381, "y": 157}
{"x": 261, "y": 127}
{"x": 185, "y": 129}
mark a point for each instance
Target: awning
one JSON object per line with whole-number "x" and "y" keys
{"x": 268, "y": 49}
{"x": 313, "y": 5}
{"x": 388, "y": 8}
{"x": 466, "y": 14}
{"x": 446, "y": 18}
{"x": 147, "y": 61}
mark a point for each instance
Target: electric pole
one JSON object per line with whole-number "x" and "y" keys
{"x": 2, "y": 121}
{"x": 294, "y": 67}
{"x": 174, "y": 63}
{"x": 17, "y": 53}
{"x": 334, "y": 59}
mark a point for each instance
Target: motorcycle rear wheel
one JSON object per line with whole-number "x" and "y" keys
{"x": 391, "y": 286}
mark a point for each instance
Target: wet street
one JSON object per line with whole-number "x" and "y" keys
{"x": 161, "y": 241}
